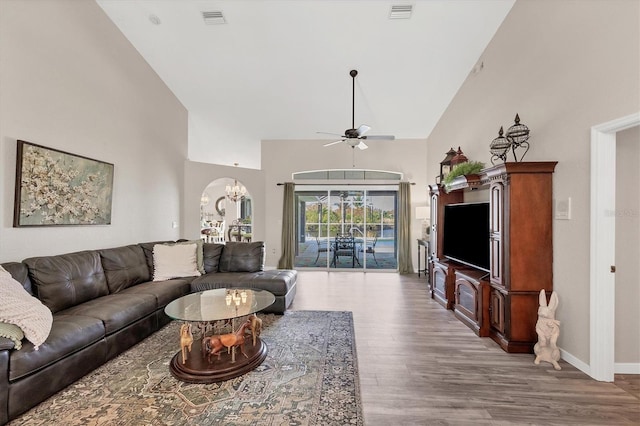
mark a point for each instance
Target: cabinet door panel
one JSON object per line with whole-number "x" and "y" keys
{"x": 496, "y": 229}
{"x": 496, "y": 307}
{"x": 440, "y": 282}
{"x": 433, "y": 237}
{"x": 467, "y": 299}
{"x": 497, "y": 208}
{"x": 496, "y": 260}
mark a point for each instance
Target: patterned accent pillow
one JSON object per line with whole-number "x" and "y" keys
{"x": 13, "y": 332}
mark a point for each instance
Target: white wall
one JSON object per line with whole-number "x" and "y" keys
{"x": 69, "y": 80}
{"x": 222, "y": 143}
{"x": 281, "y": 158}
{"x": 564, "y": 66}
{"x": 627, "y": 320}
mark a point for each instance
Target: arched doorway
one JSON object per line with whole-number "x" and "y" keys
{"x": 226, "y": 208}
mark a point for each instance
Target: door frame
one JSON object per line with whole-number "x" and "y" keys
{"x": 602, "y": 246}
{"x": 392, "y": 190}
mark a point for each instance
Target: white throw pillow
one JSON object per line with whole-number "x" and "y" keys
{"x": 199, "y": 253}
{"x": 174, "y": 261}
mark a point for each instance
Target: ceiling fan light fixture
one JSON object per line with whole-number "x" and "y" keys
{"x": 363, "y": 129}
{"x": 355, "y": 137}
{"x": 401, "y": 11}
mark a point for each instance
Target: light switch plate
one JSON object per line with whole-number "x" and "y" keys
{"x": 563, "y": 209}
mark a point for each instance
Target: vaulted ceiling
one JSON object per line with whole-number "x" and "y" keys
{"x": 279, "y": 69}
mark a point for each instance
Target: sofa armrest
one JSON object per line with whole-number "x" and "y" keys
{"x": 4, "y": 379}
{"x": 6, "y": 344}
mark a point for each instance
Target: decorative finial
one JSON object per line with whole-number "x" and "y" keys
{"x": 499, "y": 147}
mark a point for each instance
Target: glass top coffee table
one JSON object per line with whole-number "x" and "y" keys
{"x": 217, "y": 324}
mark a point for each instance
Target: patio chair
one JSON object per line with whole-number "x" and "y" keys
{"x": 323, "y": 247}
{"x": 345, "y": 246}
{"x": 370, "y": 248}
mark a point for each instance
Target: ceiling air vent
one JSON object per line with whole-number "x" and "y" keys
{"x": 213, "y": 18}
{"x": 401, "y": 11}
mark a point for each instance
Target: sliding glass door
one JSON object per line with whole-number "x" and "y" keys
{"x": 346, "y": 229}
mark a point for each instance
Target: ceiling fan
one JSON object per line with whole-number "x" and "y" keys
{"x": 355, "y": 137}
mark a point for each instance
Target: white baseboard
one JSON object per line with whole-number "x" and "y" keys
{"x": 577, "y": 363}
{"x": 626, "y": 368}
{"x": 618, "y": 368}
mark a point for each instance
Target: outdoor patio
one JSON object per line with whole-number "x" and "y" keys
{"x": 384, "y": 255}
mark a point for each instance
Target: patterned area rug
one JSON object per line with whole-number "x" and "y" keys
{"x": 310, "y": 377}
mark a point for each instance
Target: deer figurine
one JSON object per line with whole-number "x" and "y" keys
{"x": 186, "y": 340}
{"x": 213, "y": 345}
{"x": 548, "y": 330}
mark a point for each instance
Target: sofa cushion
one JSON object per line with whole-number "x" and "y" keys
{"x": 116, "y": 311}
{"x": 219, "y": 280}
{"x": 68, "y": 334}
{"x": 20, "y": 273}
{"x": 163, "y": 291}
{"x": 68, "y": 279}
{"x": 276, "y": 281}
{"x": 147, "y": 249}
{"x": 242, "y": 257}
{"x": 124, "y": 267}
{"x": 211, "y": 254}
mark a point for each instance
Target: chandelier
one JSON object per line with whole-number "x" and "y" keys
{"x": 235, "y": 192}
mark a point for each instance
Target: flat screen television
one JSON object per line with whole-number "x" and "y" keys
{"x": 466, "y": 234}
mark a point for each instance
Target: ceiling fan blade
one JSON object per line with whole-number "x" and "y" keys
{"x": 363, "y": 129}
{"x": 362, "y": 145}
{"x": 332, "y": 134}
{"x": 380, "y": 137}
{"x": 333, "y": 143}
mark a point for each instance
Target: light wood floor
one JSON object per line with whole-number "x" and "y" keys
{"x": 419, "y": 365}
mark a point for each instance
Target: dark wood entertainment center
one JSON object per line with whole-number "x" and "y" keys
{"x": 503, "y": 303}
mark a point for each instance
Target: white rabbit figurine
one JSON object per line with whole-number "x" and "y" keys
{"x": 548, "y": 329}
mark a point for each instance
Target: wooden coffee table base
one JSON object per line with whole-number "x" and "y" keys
{"x": 197, "y": 369}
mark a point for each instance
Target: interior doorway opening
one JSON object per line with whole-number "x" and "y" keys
{"x": 222, "y": 217}
{"x": 602, "y": 242}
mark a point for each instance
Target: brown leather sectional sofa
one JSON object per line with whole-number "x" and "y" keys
{"x": 103, "y": 302}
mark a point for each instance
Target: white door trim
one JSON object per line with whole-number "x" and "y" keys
{"x": 602, "y": 245}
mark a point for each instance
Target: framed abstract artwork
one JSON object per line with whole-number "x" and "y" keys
{"x": 58, "y": 188}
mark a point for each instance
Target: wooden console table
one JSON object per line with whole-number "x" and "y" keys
{"x": 425, "y": 244}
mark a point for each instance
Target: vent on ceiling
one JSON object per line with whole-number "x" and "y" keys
{"x": 401, "y": 11}
{"x": 214, "y": 17}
